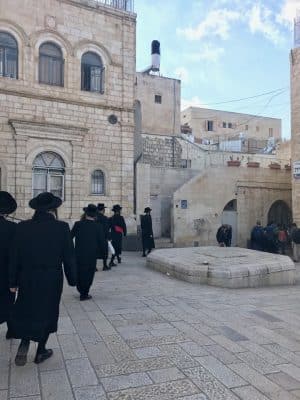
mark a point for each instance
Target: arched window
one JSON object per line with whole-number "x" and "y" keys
{"x": 8, "y": 56}
{"x": 98, "y": 182}
{"x": 48, "y": 174}
{"x": 92, "y": 73}
{"x": 51, "y": 64}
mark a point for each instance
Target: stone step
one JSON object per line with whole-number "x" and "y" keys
{"x": 163, "y": 243}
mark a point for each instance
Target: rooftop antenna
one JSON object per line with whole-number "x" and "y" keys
{"x": 297, "y": 30}
{"x": 155, "y": 58}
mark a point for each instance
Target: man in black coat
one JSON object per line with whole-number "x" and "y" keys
{"x": 41, "y": 246}
{"x": 89, "y": 241}
{"x": 147, "y": 232}
{"x": 8, "y": 205}
{"x": 118, "y": 228}
{"x": 104, "y": 222}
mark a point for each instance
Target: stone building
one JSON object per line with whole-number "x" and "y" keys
{"x": 67, "y": 72}
{"x": 217, "y": 126}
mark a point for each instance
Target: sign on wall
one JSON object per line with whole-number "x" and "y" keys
{"x": 296, "y": 169}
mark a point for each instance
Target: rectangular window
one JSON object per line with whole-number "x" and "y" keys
{"x": 210, "y": 126}
{"x": 157, "y": 98}
{"x": 224, "y": 125}
{"x": 186, "y": 163}
{"x": 230, "y": 125}
{"x": 270, "y": 132}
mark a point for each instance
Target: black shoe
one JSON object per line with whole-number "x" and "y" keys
{"x": 112, "y": 264}
{"x": 144, "y": 255}
{"x": 106, "y": 268}
{"x": 119, "y": 260}
{"x": 9, "y": 335}
{"x": 86, "y": 297}
{"x": 40, "y": 357}
{"x": 21, "y": 357}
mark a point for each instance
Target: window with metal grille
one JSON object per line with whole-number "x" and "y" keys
{"x": 48, "y": 174}
{"x": 92, "y": 73}
{"x": 210, "y": 126}
{"x": 98, "y": 182}
{"x": 158, "y": 99}
{"x": 8, "y": 56}
{"x": 51, "y": 64}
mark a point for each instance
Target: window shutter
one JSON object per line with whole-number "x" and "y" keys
{"x": 206, "y": 125}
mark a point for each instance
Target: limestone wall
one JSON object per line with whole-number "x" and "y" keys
{"x": 206, "y": 195}
{"x": 36, "y": 117}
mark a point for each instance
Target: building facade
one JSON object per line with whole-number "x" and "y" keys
{"x": 67, "y": 72}
{"x": 216, "y": 125}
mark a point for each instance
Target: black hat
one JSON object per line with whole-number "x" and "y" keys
{"x": 101, "y": 206}
{"x": 116, "y": 207}
{"x": 8, "y": 204}
{"x": 45, "y": 201}
{"x": 91, "y": 210}
{"x": 147, "y": 209}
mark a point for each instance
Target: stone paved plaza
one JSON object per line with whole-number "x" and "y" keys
{"x": 146, "y": 336}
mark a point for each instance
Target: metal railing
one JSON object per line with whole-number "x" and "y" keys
{"x": 124, "y": 5}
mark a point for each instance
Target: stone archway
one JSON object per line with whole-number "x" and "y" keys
{"x": 229, "y": 217}
{"x": 280, "y": 213}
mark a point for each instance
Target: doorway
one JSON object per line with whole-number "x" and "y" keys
{"x": 229, "y": 217}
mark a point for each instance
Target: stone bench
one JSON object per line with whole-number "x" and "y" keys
{"x": 231, "y": 267}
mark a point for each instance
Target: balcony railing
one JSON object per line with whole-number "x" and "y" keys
{"x": 124, "y": 5}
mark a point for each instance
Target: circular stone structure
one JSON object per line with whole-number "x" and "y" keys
{"x": 228, "y": 267}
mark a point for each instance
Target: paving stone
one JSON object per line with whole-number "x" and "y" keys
{"x": 296, "y": 393}
{"x": 222, "y": 354}
{"x": 199, "y": 396}
{"x": 81, "y": 373}
{"x": 55, "y": 385}
{"x": 87, "y": 331}
{"x": 283, "y": 353}
{"x": 209, "y": 385}
{"x": 4, "y": 370}
{"x": 99, "y": 354}
{"x": 118, "y": 347}
{"x": 260, "y": 382}
{"x": 26, "y": 398}
{"x": 90, "y": 393}
{"x": 65, "y": 326}
{"x": 128, "y": 367}
{"x": 266, "y": 316}
{"x": 291, "y": 370}
{"x": 232, "y": 334}
{"x": 192, "y": 333}
{"x": 162, "y": 391}
{"x": 221, "y": 372}
{"x": 284, "y": 380}
{"x": 249, "y": 393}
{"x": 194, "y": 349}
{"x": 71, "y": 346}
{"x": 54, "y": 362}
{"x": 148, "y": 352}
{"x": 262, "y": 352}
{"x": 258, "y": 363}
{"x": 228, "y": 344}
{"x": 24, "y": 381}
{"x": 165, "y": 375}
{"x": 148, "y": 342}
{"x": 178, "y": 356}
{"x": 125, "y": 381}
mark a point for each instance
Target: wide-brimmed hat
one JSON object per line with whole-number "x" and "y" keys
{"x": 7, "y": 203}
{"x": 147, "y": 209}
{"x": 116, "y": 207}
{"x": 90, "y": 210}
{"x": 101, "y": 206}
{"x": 45, "y": 201}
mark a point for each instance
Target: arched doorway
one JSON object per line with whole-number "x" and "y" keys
{"x": 280, "y": 213}
{"x": 229, "y": 217}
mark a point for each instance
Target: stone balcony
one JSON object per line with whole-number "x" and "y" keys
{"x": 122, "y": 5}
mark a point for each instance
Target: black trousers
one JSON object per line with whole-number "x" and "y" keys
{"x": 85, "y": 278}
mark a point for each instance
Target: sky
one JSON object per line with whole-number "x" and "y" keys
{"x": 223, "y": 50}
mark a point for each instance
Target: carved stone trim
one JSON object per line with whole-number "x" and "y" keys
{"x": 45, "y": 130}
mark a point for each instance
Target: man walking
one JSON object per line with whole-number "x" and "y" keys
{"x": 104, "y": 222}
{"x": 8, "y": 205}
{"x": 147, "y": 232}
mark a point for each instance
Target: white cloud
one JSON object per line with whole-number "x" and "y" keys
{"x": 288, "y": 12}
{"x": 183, "y": 74}
{"x": 208, "y": 53}
{"x": 217, "y": 23}
{"x": 261, "y": 20}
{"x": 193, "y": 102}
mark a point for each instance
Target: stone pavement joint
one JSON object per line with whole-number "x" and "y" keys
{"x": 147, "y": 336}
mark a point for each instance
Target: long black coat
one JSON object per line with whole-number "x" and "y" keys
{"x": 41, "y": 246}
{"x": 116, "y": 237}
{"x": 89, "y": 242}
{"x": 103, "y": 221}
{"x": 7, "y": 232}
{"x": 147, "y": 232}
